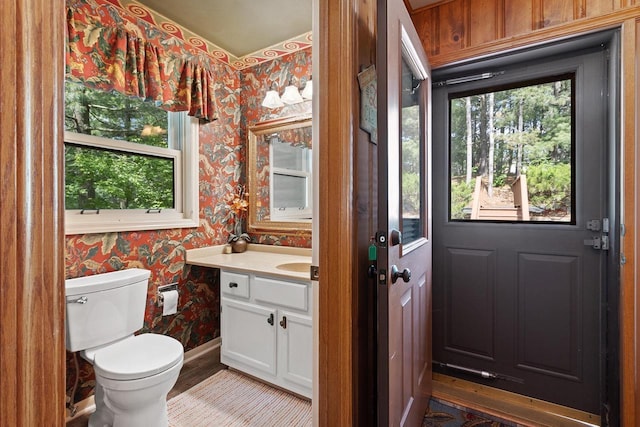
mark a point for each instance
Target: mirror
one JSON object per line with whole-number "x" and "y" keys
{"x": 279, "y": 176}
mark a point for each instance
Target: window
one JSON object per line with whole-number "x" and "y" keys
{"x": 129, "y": 165}
{"x": 291, "y": 180}
{"x": 412, "y": 156}
{"x": 512, "y": 153}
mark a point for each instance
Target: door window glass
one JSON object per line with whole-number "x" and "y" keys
{"x": 412, "y": 158}
{"x": 511, "y": 153}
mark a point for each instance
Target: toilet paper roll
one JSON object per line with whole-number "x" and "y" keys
{"x": 170, "y": 302}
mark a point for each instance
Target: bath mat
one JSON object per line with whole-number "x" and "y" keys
{"x": 229, "y": 398}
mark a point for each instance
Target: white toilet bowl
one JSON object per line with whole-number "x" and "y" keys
{"x": 133, "y": 378}
{"x": 133, "y": 373}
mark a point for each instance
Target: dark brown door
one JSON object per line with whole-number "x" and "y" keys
{"x": 404, "y": 239}
{"x": 520, "y": 226}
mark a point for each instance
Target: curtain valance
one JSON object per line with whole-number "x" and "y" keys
{"x": 116, "y": 58}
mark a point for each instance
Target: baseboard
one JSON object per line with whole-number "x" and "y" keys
{"x": 88, "y": 405}
{"x": 520, "y": 409}
{"x": 201, "y": 350}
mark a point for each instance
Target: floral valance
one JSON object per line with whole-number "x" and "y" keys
{"x": 117, "y": 58}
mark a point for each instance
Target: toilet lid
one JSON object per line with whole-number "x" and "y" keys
{"x": 138, "y": 357}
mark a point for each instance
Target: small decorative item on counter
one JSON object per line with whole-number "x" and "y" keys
{"x": 226, "y": 249}
{"x": 239, "y": 245}
{"x": 238, "y": 205}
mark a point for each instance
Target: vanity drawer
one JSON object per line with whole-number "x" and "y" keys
{"x": 286, "y": 294}
{"x": 235, "y": 284}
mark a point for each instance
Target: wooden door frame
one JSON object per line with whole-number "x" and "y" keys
{"x": 337, "y": 245}
{"x": 32, "y": 333}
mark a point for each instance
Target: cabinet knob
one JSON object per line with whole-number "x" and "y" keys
{"x": 283, "y": 322}
{"x": 233, "y": 285}
{"x": 270, "y": 319}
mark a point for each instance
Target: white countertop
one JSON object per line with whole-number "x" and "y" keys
{"x": 256, "y": 259}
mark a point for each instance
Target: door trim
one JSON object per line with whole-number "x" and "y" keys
{"x": 338, "y": 250}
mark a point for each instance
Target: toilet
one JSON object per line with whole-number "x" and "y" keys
{"x": 134, "y": 373}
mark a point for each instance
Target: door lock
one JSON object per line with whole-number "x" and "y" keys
{"x": 598, "y": 242}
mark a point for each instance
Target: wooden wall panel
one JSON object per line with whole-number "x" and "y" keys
{"x": 598, "y": 7}
{"x": 452, "y": 19}
{"x": 428, "y": 27}
{"x": 556, "y": 12}
{"x": 630, "y": 292}
{"x": 518, "y": 17}
{"x": 455, "y": 30}
{"x": 486, "y": 21}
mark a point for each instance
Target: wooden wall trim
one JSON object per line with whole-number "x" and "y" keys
{"x": 337, "y": 33}
{"x": 630, "y": 297}
{"x": 32, "y": 353}
{"x": 538, "y": 36}
{"x": 8, "y": 226}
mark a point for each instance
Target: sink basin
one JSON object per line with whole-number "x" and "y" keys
{"x": 298, "y": 267}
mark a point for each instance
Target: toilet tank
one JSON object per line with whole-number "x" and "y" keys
{"x": 105, "y": 307}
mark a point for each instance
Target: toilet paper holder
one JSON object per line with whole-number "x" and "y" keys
{"x": 166, "y": 288}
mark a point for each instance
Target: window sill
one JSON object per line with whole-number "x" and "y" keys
{"x": 114, "y": 225}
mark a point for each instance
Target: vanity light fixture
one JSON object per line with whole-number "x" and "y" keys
{"x": 272, "y": 99}
{"x": 307, "y": 92}
{"x": 291, "y": 95}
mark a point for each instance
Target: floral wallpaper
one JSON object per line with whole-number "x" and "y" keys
{"x": 221, "y": 163}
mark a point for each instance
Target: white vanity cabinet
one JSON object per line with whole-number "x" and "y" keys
{"x": 266, "y": 328}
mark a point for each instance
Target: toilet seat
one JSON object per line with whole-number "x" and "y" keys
{"x": 138, "y": 357}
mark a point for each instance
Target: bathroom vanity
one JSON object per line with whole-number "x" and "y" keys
{"x": 266, "y": 312}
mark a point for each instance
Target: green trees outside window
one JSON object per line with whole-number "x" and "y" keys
{"x": 116, "y": 176}
{"x": 501, "y": 135}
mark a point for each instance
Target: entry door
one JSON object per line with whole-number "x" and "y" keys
{"x": 519, "y": 273}
{"x": 404, "y": 239}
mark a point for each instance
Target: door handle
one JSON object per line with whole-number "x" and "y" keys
{"x": 283, "y": 322}
{"x": 233, "y": 285}
{"x": 270, "y": 319}
{"x": 395, "y": 274}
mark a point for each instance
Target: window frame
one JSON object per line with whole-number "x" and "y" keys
{"x": 518, "y": 83}
{"x": 183, "y": 149}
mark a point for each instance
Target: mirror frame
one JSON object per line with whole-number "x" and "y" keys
{"x": 268, "y": 226}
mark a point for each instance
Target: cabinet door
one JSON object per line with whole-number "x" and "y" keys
{"x": 248, "y": 333}
{"x": 295, "y": 348}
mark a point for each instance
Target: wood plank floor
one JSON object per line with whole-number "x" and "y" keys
{"x": 192, "y": 373}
